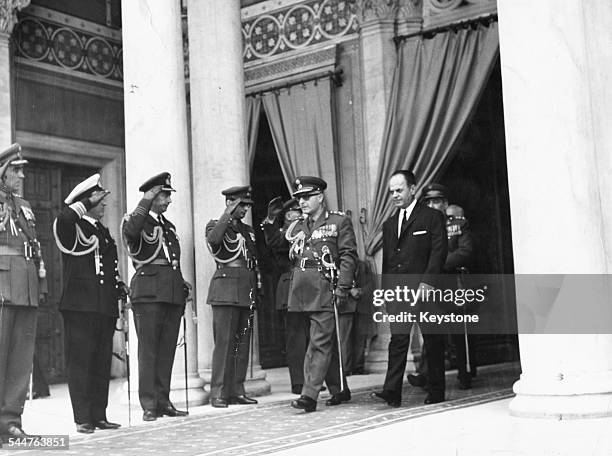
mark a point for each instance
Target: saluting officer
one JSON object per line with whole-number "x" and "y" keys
{"x": 22, "y": 285}
{"x": 296, "y": 328}
{"x": 232, "y": 292}
{"x": 319, "y": 236}
{"x": 158, "y": 294}
{"x": 92, "y": 287}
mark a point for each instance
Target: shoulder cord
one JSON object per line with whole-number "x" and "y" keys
{"x": 297, "y": 241}
{"x": 81, "y": 240}
{"x": 156, "y": 236}
{"x": 240, "y": 248}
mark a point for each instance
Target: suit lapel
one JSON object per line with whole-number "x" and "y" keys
{"x": 410, "y": 220}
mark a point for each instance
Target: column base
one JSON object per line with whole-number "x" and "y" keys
{"x": 195, "y": 391}
{"x": 257, "y": 384}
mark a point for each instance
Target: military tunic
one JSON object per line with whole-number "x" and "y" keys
{"x": 157, "y": 293}
{"x": 231, "y": 294}
{"x": 89, "y": 307}
{"x": 21, "y": 283}
{"x": 310, "y": 292}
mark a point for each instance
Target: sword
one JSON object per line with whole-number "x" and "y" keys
{"x": 463, "y": 270}
{"x": 124, "y": 307}
{"x": 331, "y": 267}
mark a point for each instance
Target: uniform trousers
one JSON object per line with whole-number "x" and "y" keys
{"x": 321, "y": 362}
{"x": 17, "y": 338}
{"x": 88, "y": 339}
{"x": 345, "y": 323}
{"x": 157, "y": 327}
{"x": 231, "y": 352}
{"x": 297, "y": 330}
{"x": 398, "y": 351}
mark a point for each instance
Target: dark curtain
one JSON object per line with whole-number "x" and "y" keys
{"x": 436, "y": 86}
{"x": 253, "y": 113}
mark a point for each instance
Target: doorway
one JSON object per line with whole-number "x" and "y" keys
{"x": 45, "y": 187}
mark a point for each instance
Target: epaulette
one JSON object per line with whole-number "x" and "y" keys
{"x": 338, "y": 213}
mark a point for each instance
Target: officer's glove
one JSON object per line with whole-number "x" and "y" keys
{"x": 187, "y": 289}
{"x": 355, "y": 293}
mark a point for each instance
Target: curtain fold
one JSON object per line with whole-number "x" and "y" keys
{"x": 300, "y": 119}
{"x": 253, "y": 114}
{"x": 436, "y": 86}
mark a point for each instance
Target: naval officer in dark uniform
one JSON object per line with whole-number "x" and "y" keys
{"x": 232, "y": 293}
{"x": 319, "y": 236}
{"x": 158, "y": 294}
{"x": 22, "y": 285}
{"x": 92, "y": 287}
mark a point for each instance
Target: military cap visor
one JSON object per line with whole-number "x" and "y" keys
{"x": 308, "y": 185}
{"x": 292, "y": 205}
{"x": 435, "y": 191}
{"x": 242, "y": 192}
{"x": 162, "y": 179}
{"x": 13, "y": 155}
{"x": 84, "y": 189}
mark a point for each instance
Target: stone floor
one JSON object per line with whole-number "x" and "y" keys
{"x": 272, "y": 425}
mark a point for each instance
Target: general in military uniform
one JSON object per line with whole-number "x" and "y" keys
{"x": 232, "y": 293}
{"x": 295, "y": 326}
{"x": 22, "y": 284}
{"x": 92, "y": 287}
{"x": 322, "y": 243}
{"x": 460, "y": 251}
{"x": 157, "y": 292}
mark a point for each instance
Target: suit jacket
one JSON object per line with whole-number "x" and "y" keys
{"x": 87, "y": 288}
{"x": 309, "y": 290}
{"x": 144, "y": 236}
{"x": 421, "y": 248}
{"x": 20, "y": 256}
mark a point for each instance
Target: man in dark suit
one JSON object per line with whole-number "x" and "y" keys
{"x": 158, "y": 294}
{"x": 414, "y": 251}
{"x": 92, "y": 287}
{"x": 319, "y": 238}
{"x": 232, "y": 292}
{"x": 22, "y": 285}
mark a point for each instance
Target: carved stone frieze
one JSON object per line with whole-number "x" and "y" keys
{"x": 410, "y": 9}
{"x": 377, "y": 10}
{"x": 8, "y": 13}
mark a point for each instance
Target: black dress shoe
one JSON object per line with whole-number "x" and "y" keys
{"x": 170, "y": 410}
{"x": 149, "y": 415}
{"x": 433, "y": 399}
{"x": 337, "y": 399}
{"x": 104, "y": 424}
{"x": 389, "y": 397}
{"x": 305, "y": 403}
{"x": 242, "y": 400}
{"x": 417, "y": 380}
{"x": 296, "y": 389}
{"x": 85, "y": 428}
{"x": 218, "y": 402}
{"x": 465, "y": 383}
{"x": 15, "y": 431}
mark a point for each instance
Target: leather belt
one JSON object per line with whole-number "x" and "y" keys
{"x": 307, "y": 263}
{"x": 232, "y": 264}
{"x": 160, "y": 262}
{"x": 5, "y": 250}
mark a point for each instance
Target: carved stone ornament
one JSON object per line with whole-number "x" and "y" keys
{"x": 377, "y": 10}
{"x": 8, "y": 13}
{"x": 410, "y": 8}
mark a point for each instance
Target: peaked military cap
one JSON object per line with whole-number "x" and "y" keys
{"x": 308, "y": 184}
{"x": 292, "y": 204}
{"x": 13, "y": 155}
{"x": 432, "y": 191}
{"x": 162, "y": 179}
{"x": 84, "y": 189}
{"x": 242, "y": 192}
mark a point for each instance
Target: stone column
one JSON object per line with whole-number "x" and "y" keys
{"x": 378, "y": 59}
{"x": 156, "y": 141}
{"x": 8, "y": 19}
{"x": 216, "y": 79}
{"x": 556, "y": 58}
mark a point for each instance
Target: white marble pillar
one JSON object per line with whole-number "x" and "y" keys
{"x": 156, "y": 141}
{"x": 216, "y": 79}
{"x": 556, "y": 60}
{"x": 8, "y": 19}
{"x": 378, "y": 59}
